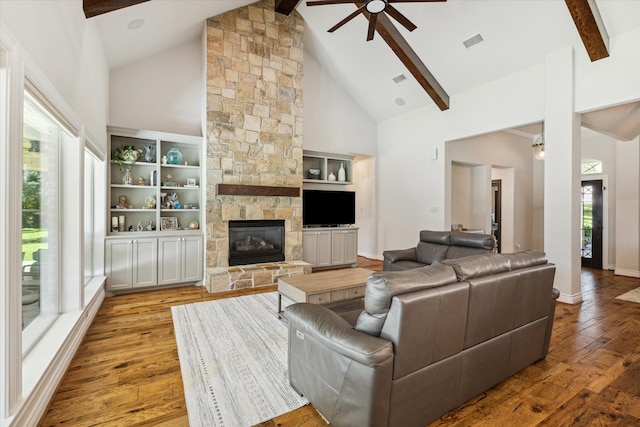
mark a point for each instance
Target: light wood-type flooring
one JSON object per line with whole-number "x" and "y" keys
{"x": 127, "y": 373}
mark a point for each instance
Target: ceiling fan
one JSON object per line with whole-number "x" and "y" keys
{"x": 376, "y": 11}
{"x": 371, "y": 9}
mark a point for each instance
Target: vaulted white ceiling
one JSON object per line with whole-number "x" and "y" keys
{"x": 517, "y": 34}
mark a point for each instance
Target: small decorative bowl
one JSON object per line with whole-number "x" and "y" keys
{"x": 314, "y": 173}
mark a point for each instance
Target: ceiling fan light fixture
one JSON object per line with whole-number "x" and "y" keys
{"x": 376, "y": 6}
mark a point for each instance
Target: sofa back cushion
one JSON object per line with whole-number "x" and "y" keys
{"x": 430, "y": 253}
{"x": 478, "y": 265}
{"x": 437, "y": 237}
{"x": 505, "y": 301}
{"x": 426, "y": 326}
{"x": 383, "y": 286}
{"x": 466, "y": 244}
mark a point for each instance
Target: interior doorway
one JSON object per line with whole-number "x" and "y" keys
{"x": 496, "y": 210}
{"x": 591, "y": 213}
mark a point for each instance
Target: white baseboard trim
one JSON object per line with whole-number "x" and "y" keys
{"x": 624, "y": 272}
{"x": 35, "y": 404}
{"x": 371, "y": 256}
{"x": 570, "y": 299}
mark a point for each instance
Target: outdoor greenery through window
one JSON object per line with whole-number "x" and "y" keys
{"x": 43, "y": 136}
{"x": 592, "y": 167}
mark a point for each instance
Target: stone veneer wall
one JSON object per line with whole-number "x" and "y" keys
{"x": 254, "y": 121}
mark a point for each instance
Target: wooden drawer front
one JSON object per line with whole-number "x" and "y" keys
{"x": 345, "y": 294}
{"x": 322, "y": 298}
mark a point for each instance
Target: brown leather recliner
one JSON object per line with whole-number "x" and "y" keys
{"x": 436, "y": 246}
{"x": 427, "y": 340}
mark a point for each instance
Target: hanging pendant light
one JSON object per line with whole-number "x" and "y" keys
{"x": 538, "y": 146}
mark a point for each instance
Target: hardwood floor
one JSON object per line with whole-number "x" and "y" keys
{"x": 127, "y": 373}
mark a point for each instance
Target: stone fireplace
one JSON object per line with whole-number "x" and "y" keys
{"x": 254, "y": 132}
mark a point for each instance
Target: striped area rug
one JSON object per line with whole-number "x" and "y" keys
{"x": 233, "y": 359}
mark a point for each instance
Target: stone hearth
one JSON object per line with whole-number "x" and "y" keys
{"x": 254, "y": 134}
{"x": 251, "y": 276}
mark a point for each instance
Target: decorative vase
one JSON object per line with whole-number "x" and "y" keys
{"x": 332, "y": 177}
{"x": 148, "y": 152}
{"x": 126, "y": 177}
{"x": 174, "y": 156}
{"x": 130, "y": 155}
{"x": 341, "y": 173}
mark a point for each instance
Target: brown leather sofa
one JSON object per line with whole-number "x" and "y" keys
{"x": 436, "y": 246}
{"x": 428, "y": 339}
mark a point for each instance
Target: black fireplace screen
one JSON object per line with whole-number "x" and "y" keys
{"x": 257, "y": 241}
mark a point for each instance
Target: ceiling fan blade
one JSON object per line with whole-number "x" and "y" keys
{"x": 373, "y": 18}
{"x": 395, "y": 14}
{"x": 345, "y": 20}
{"x": 323, "y": 2}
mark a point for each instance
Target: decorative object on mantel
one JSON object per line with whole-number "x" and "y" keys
{"x": 193, "y": 225}
{"x": 342, "y": 176}
{"x": 174, "y": 156}
{"x": 257, "y": 190}
{"x": 538, "y": 145}
{"x": 332, "y": 177}
{"x": 314, "y": 173}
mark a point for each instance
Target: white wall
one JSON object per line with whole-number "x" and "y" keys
{"x": 498, "y": 155}
{"x": 333, "y": 121}
{"x": 67, "y": 49}
{"x": 628, "y": 208}
{"x": 161, "y": 93}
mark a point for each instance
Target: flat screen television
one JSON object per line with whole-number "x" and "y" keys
{"x": 328, "y": 208}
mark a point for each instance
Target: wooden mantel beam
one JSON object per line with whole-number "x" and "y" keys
{"x": 411, "y": 60}
{"x": 98, "y": 7}
{"x": 285, "y": 7}
{"x": 589, "y": 23}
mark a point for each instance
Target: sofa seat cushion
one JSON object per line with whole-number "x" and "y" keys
{"x": 430, "y": 253}
{"x": 382, "y": 287}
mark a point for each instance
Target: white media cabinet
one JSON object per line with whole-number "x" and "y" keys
{"x": 324, "y": 247}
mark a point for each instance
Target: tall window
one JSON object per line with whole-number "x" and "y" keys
{"x": 43, "y": 138}
{"x": 89, "y": 214}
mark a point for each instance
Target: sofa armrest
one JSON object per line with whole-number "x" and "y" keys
{"x": 337, "y": 334}
{"x": 345, "y": 374}
{"x": 400, "y": 255}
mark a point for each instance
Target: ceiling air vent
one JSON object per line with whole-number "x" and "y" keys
{"x": 399, "y": 78}
{"x": 473, "y": 41}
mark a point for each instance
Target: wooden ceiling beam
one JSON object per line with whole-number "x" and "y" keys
{"x": 98, "y": 7}
{"x": 285, "y": 7}
{"x": 411, "y": 60}
{"x": 589, "y": 23}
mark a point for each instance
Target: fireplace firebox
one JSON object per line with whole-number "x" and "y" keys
{"x": 256, "y": 241}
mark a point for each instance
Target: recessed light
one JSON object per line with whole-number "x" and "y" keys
{"x": 400, "y": 101}
{"x": 135, "y": 24}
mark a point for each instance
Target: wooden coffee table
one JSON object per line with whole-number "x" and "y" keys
{"x": 324, "y": 287}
